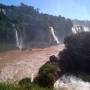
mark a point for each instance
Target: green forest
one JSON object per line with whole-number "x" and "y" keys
{"x": 32, "y": 24}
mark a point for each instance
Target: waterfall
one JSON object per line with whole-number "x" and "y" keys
{"x": 71, "y": 83}
{"x": 32, "y": 77}
{"x": 74, "y": 30}
{"x": 78, "y": 29}
{"x": 86, "y": 29}
{"x": 53, "y": 34}
{"x": 19, "y": 39}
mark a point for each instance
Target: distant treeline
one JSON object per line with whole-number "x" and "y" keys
{"x": 33, "y": 25}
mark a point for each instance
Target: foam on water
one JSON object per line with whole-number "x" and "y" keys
{"x": 71, "y": 83}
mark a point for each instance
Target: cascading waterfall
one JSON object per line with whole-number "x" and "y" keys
{"x": 74, "y": 30}
{"x": 53, "y": 34}
{"x": 71, "y": 83}
{"x": 78, "y": 29}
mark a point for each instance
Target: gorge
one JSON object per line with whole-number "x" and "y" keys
{"x": 43, "y": 35}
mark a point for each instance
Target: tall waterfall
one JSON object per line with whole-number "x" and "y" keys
{"x": 19, "y": 39}
{"x": 71, "y": 83}
{"x": 53, "y": 34}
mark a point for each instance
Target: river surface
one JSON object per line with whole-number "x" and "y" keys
{"x": 16, "y": 64}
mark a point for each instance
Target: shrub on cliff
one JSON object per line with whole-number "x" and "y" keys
{"x": 26, "y": 83}
{"x": 47, "y": 74}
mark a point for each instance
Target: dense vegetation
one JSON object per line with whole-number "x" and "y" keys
{"x": 5, "y": 29}
{"x": 17, "y": 87}
{"x": 75, "y": 58}
{"x": 31, "y": 24}
{"x": 48, "y": 74}
{"x": 45, "y": 79}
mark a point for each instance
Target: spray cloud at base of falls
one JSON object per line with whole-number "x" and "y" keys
{"x": 53, "y": 34}
{"x": 71, "y": 83}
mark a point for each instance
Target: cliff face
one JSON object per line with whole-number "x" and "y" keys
{"x": 25, "y": 24}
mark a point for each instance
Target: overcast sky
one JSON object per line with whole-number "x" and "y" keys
{"x": 74, "y": 9}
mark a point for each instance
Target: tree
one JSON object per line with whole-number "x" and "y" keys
{"x": 75, "y": 58}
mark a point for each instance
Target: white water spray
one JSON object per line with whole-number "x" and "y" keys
{"x": 71, "y": 83}
{"x": 54, "y": 36}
